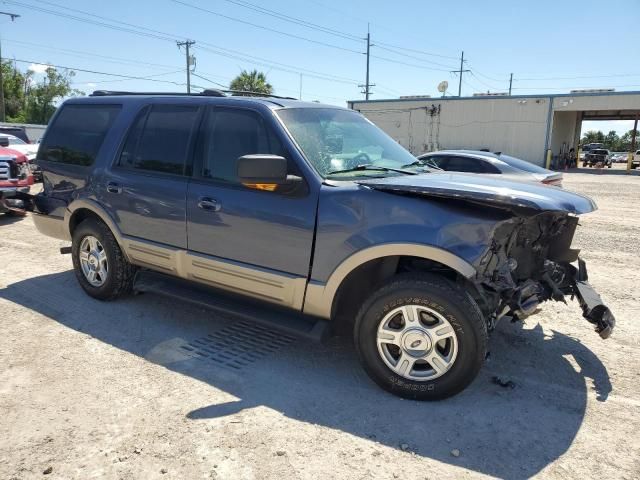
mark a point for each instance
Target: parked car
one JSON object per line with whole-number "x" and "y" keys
{"x": 619, "y": 157}
{"x": 28, "y": 149}
{"x": 635, "y": 161}
{"x": 481, "y": 162}
{"x": 584, "y": 149}
{"x": 597, "y": 156}
{"x": 15, "y": 131}
{"x": 235, "y": 203}
{"x": 15, "y": 182}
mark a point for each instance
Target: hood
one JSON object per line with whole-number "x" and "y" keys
{"x": 16, "y": 155}
{"x": 481, "y": 189}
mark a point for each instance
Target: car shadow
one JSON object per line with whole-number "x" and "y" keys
{"x": 9, "y": 218}
{"x": 500, "y": 431}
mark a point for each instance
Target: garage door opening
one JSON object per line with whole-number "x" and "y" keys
{"x": 576, "y": 130}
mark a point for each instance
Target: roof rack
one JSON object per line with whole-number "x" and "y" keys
{"x": 209, "y": 92}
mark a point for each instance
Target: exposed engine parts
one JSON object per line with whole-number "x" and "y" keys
{"x": 531, "y": 261}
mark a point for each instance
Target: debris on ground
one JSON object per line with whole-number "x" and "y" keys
{"x": 503, "y": 382}
{"x": 455, "y": 452}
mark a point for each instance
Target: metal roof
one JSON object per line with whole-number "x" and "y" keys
{"x": 546, "y": 95}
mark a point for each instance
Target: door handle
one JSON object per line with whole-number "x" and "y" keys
{"x": 113, "y": 187}
{"x": 208, "y": 203}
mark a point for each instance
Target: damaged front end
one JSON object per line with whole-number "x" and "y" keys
{"x": 527, "y": 258}
{"x": 530, "y": 261}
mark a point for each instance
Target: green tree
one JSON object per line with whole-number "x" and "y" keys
{"x": 254, "y": 81}
{"x": 611, "y": 140}
{"x": 15, "y": 84}
{"x": 593, "y": 136}
{"x": 625, "y": 141}
{"x": 43, "y": 97}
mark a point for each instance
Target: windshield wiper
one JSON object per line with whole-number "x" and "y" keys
{"x": 358, "y": 168}
{"x": 421, "y": 163}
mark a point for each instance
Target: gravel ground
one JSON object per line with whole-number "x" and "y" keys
{"x": 108, "y": 390}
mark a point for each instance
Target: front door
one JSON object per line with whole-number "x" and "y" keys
{"x": 255, "y": 242}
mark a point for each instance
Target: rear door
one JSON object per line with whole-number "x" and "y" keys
{"x": 145, "y": 189}
{"x": 254, "y": 241}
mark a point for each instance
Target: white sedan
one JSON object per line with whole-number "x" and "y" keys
{"x": 481, "y": 162}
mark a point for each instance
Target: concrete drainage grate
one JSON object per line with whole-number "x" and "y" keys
{"x": 237, "y": 345}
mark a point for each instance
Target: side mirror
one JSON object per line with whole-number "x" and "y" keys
{"x": 4, "y": 142}
{"x": 262, "y": 169}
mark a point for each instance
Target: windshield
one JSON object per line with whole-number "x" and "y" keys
{"x": 334, "y": 140}
{"x": 16, "y": 141}
{"x": 522, "y": 164}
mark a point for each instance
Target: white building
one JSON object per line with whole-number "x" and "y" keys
{"x": 524, "y": 126}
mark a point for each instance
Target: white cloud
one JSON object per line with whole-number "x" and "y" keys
{"x": 38, "y": 67}
{"x": 91, "y": 85}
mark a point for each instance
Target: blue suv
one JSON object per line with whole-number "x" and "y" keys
{"x": 306, "y": 216}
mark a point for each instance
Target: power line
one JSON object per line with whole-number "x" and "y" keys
{"x": 422, "y": 52}
{"x": 96, "y": 72}
{"x": 573, "y": 88}
{"x": 483, "y": 82}
{"x": 400, "y": 62}
{"x": 173, "y": 38}
{"x": 291, "y": 19}
{"x": 234, "y": 54}
{"x": 280, "y": 32}
{"x": 210, "y": 81}
{"x": 578, "y": 77}
{"x": 149, "y": 32}
{"x": 146, "y": 77}
{"x": 359, "y": 18}
{"x": 379, "y": 45}
{"x": 68, "y": 51}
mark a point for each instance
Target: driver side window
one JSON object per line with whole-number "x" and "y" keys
{"x": 228, "y": 134}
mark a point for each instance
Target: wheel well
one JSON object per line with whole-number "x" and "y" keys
{"x": 361, "y": 281}
{"x": 80, "y": 216}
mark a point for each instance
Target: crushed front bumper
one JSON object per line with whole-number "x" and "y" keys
{"x": 15, "y": 200}
{"x": 593, "y": 308}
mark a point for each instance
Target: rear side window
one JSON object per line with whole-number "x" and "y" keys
{"x": 466, "y": 164}
{"x": 159, "y": 139}
{"x": 77, "y": 133}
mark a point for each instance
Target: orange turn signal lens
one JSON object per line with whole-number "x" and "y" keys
{"x": 269, "y": 187}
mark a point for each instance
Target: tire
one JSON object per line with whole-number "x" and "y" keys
{"x": 436, "y": 299}
{"x": 584, "y": 164}
{"x": 119, "y": 273}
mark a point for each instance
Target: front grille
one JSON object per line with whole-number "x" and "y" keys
{"x": 6, "y": 169}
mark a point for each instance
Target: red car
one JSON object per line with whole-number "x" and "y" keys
{"x": 15, "y": 181}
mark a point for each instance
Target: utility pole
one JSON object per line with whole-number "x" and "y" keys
{"x": 367, "y": 86}
{"x": 460, "y": 72}
{"x": 2, "y": 111}
{"x": 187, "y": 44}
{"x": 510, "y": 83}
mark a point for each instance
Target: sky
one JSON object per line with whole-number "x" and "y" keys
{"x": 317, "y": 46}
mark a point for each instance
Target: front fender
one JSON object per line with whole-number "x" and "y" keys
{"x": 320, "y": 296}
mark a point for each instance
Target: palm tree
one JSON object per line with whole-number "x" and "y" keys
{"x": 254, "y": 81}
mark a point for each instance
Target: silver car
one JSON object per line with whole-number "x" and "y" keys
{"x": 477, "y": 161}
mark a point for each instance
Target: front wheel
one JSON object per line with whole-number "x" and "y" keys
{"x": 421, "y": 337}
